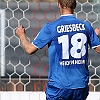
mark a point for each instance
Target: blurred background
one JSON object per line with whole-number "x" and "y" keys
{"x": 22, "y": 72}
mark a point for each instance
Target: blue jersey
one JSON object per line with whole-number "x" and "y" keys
{"x": 68, "y": 39}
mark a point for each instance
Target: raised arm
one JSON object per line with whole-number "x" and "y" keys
{"x": 97, "y": 30}
{"x": 27, "y": 46}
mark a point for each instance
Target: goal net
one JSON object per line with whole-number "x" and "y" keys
{"x": 22, "y": 72}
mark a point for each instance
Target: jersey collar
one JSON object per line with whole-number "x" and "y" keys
{"x": 66, "y": 15}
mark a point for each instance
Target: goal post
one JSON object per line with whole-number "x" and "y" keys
{"x": 2, "y": 42}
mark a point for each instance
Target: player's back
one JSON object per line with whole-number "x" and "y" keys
{"x": 68, "y": 52}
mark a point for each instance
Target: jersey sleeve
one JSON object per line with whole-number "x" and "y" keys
{"x": 94, "y": 40}
{"x": 43, "y": 37}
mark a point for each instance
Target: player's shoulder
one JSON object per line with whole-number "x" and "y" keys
{"x": 84, "y": 22}
{"x": 87, "y": 25}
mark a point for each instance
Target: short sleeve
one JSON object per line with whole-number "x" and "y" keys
{"x": 43, "y": 37}
{"x": 94, "y": 40}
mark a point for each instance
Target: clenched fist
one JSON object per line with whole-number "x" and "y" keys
{"x": 20, "y": 31}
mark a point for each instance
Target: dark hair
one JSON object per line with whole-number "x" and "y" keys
{"x": 71, "y": 4}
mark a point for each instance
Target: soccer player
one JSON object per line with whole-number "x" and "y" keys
{"x": 68, "y": 39}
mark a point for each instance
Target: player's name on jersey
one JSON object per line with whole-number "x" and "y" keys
{"x": 70, "y": 28}
{"x": 71, "y": 62}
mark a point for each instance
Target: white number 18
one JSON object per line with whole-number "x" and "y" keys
{"x": 78, "y": 42}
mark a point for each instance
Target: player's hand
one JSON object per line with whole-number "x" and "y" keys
{"x": 20, "y": 31}
{"x": 97, "y": 30}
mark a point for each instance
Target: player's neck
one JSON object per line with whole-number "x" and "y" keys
{"x": 65, "y": 11}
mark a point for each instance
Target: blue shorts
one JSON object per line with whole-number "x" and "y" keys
{"x": 54, "y": 93}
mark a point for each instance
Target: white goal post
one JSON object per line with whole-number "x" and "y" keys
{"x": 2, "y": 42}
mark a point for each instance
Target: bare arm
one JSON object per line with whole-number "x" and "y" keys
{"x": 97, "y": 49}
{"x": 97, "y": 30}
{"x": 27, "y": 46}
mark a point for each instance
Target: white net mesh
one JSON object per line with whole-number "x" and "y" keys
{"x": 21, "y": 72}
